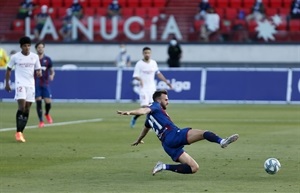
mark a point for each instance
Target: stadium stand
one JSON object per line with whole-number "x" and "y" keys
{"x": 229, "y": 10}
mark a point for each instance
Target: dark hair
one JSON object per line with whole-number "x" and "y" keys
{"x": 25, "y": 40}
{"x": 37, "y": 44}
{"x": 146, "y": 48}
{"x": 158, "y": 94}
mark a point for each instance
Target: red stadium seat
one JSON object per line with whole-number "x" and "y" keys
{"x": 44, "y": 2}
{"x": 133, "y": 3}
{"x": 146, "y": 3}
{"x": 61, "y": 12}
{"x": 159, "y": 3}
{"x": 152, "y": 12}
{"x": 105, "y": 3}
{"x": 287, "y": 3}
{"x": 220, "y": 11}
{"x": 52, "y": 12}
{"x": 57, "y": 3}
{"x": 275, "y": 4}
{"x": 284, "y": 11}
{"x": 101, "y": 11}
{"x": 231, "y": 13}
{"x": 122, "y": 3}
{"x": 68, "y": 3}
{"x": 248, "y": 3}
{"x": 271, "y": 11}
{"x": 89, "y": 11}
{"x": 198, "y": 24}
{"x": 283, "y": 26}
{"x": 127, "y": 12}
{"x": 18, "y": 25}
{"x": 251, "y": 26}
{"x": 94, "y": 3}
{"x": 141, "y": 12}
{"x": 235, "y": 3}
{"x": 294, "y": 25}
{"x": 222, "y": 3}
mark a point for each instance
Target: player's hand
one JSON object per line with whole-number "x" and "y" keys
{"x": 7, "y": 88}
{"x": 51, "y": 77}
{"x": 137, "y": 142}
{"x": 39, "y": 73}
{"x": 123, "y": 113}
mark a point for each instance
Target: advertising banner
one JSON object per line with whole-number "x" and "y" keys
{"x": 185, "y": 83}
{"x": 296, "y": 86}
{"x": 246, "y": 85}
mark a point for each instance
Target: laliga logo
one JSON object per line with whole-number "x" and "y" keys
{"x": 178, "y": 86}
{"x": 2, "y": 85}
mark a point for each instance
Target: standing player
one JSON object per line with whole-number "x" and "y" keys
{"x": 173, "y": 138}
{"x": 25, "y": 63}
{"x": 42, "y": 90}
{"x": 145, "y": 71}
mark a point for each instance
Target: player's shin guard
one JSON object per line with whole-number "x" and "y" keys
{"x": 180, "y": 168}
{"x": 39, "y": 109}
{"x": 212, "y": 137}
{"x": 47, "y": 108}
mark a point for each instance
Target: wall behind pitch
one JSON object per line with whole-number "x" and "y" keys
{"x": 192, "y": 53}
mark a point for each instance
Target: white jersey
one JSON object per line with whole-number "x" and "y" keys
{"x": 146, "y": 72}
{"x": 24, "y": 68}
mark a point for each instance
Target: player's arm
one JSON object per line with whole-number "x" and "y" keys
{"x": 140, "y": 111}
{"x": 7, "y": 79}
{"x": 142, "y": 135}
{"x": 52, "y": 73}
{"x": 162, "y": 77}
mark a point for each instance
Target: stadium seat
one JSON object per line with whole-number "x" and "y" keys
{"x": 275, "y": 4}
{"x": 122, "y": 3}
{"x": 94, "y": 3}
{"x": 287, "y": 3}
{"x": 146, "y": 3}
{"x": 18, "y": 25}
{"x": 57, "y": 3}
{"x": 61, "y": 12}
{"x": 152, "y": 12}
{"x": 141, "y": 12}
{"x": 198, "y": 24}
{"x": 271, "y": 12}
{"x": 220, "y": 11}
{"x": 44, "y": 2}
{"x": 235, "y": 3}
{"x": 231, "y": 13}
{"x": 284, "y": 11}
{"x": 248, "y": 3}
{"x": 105, "y": 3}
{"x": 294, "y": 25}
{"x": 127, "y": 12}
{"x": 251, "y": 25}
{"x": 222, "y": 3}
{"x": 89, "y": 11}
{"x": 133, "y": 3}
{"x": 52, "y": 12}
{"x": 101, "y": 11}
{"x": 159, "y": 3}
{"x": 283, "y": 26}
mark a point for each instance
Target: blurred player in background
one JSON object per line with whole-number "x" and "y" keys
{"x": 42, "y": 89}
{"x": 4, "y": 59}
{"x": 123, "y": 58}
{"x": 26, "y": 64}
{"x": 145, "y": 71}
{"x": 173, "y": 138}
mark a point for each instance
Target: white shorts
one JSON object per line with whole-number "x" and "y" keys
{"x": 146, "y": 97}
{"x": 25, "y": 92}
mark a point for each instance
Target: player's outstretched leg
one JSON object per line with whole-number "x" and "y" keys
{"x": 133, "y": 120}
{"x": 178, "y": 168}
{"x": 225, "y": 142}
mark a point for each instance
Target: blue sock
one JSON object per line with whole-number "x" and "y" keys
{"x": 180, "y": 168}
{"x": 210, "y": 136}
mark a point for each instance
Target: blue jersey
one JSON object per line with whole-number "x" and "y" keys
{"x": 159, "y": 120}
{"x": 46, "y": 64}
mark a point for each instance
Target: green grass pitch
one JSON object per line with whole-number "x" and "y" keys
{"x": 58, "y": 159}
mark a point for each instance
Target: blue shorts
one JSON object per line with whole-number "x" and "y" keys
{"x": 42, "y": 91}
{"x": 174, "y": 141}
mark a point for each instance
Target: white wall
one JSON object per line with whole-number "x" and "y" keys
{"x": 191, "y": 53}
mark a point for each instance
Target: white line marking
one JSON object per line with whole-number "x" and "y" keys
{"x": 56, "y": 124}
{"x": 98, "y": 157}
